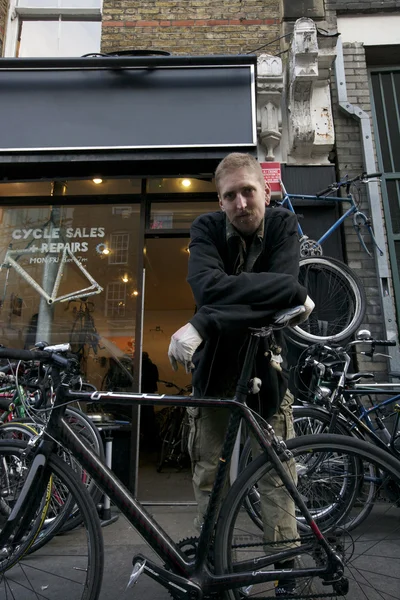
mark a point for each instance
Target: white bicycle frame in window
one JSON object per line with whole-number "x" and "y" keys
{"x": 91, "y": 290}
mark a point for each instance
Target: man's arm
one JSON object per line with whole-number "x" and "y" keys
{"x": 247, "y": 299}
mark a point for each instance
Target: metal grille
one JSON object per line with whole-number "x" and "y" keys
{"x": 386, "y": 98}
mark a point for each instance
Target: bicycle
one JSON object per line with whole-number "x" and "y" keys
{"x": 26, "y": 392}
{"x": 84, "y": 335}
{"x": 339, "y": 296}
{"x": 336, "y": 406}
{"x": 174, "y": 433}
{"x": 231, "y": 558}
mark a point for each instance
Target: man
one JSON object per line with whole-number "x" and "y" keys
{"x": 243, "y": 269}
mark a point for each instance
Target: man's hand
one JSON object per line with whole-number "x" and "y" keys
{"x": 294, "y": 316}
{"x": 183, "y": 345}
{"x": 309, "y": 307}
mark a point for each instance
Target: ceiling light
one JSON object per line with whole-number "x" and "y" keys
{"x": 136, "y": 293}
{"x": 97, "y": 180}
{"x": 186, "y": 183}
{"x": 125, "y": 278}
{"x": 106, "y": 250}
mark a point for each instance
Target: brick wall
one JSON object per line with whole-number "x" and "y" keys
{"x": 3, "y": 16}
{"x": 196, "y": 27}
{"x": 360, "y": 6}
{"x": 350, "y": 162}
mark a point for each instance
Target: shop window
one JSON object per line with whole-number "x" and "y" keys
{"x": 35, "y": 241}
{"x": 116, "y": 299}
{"x": 119, "y": 245}
{"x": 44, "y": 28}
{"x": 76, "y": 187}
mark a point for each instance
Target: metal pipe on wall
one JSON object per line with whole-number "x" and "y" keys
{"x": 382, "y": 262}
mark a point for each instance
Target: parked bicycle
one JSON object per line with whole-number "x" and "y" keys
{"x": 84, "y": 336}
{"x": 339, "y": 296}
{"x": 173, "y": 432}
{"x": 231, "y": 558}
{"x": 339, "y": 402}
{"x": 25, "y": 392}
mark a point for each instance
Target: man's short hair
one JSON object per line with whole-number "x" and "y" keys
{"x": 238, "y": 160}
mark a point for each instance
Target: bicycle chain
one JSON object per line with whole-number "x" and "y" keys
{"x": 189, "y": 546}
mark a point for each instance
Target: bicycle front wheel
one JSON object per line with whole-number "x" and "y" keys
{"x": 328, "y": 484}
{"x": 70, "y": 568}
{"x": 339, "y": 297}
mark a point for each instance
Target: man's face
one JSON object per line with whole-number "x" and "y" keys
{"x": 243, "y": 198}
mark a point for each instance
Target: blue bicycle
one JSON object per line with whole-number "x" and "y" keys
{"x": 339, "y": 296}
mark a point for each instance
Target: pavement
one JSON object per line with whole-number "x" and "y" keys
{"x": 121, "y": 543}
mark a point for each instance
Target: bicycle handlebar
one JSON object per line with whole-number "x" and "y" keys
{"x": 34, "y": 355}
{"x": 335, "y": 186}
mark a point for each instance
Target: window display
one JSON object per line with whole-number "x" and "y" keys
{"x": 68, "y": 273}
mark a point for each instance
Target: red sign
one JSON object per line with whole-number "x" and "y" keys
{"x": 272, "y": 174}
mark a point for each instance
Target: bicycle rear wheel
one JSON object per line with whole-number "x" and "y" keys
{"x": 328, "y": 484}
{"x": 339, "y": 297}
{"x": 68, "y": 569}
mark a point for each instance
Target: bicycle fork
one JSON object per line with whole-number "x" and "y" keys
{"x": 28, "y": 502}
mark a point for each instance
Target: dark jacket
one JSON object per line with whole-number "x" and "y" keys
{"x": 228, "y": 304}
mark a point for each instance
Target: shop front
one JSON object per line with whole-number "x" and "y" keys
{"x": 104, "y": 164}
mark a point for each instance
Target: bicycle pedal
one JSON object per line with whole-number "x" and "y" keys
{"x": 137, "y": 570}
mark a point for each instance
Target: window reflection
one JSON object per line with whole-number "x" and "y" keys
{"x": 178, "y": 215}
{"x": 40, "y": 239}
{"x": 77, "y": 187}
{"x": 59, "y": 3}
{"x": 180, "y": 185}
{"x": 59, "y": 38}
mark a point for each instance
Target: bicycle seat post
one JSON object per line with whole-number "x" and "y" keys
{"x": 242, "y": 388}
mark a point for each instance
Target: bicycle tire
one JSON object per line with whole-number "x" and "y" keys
{"x": 371, "y": 570}
{"x": 12, "y": 477}
{"x": 63, "y": 515}
{"x": 59, "y": 505}
{"x": 309, "y": 420}
{"x": 340, "y": 302}
{"x": 32, "y": 574}
{"x": 78, "y": 419}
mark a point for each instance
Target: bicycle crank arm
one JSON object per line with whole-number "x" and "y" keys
{"x": 178, "y": 586}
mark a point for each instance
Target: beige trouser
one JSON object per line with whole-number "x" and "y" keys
{"x": 207, "y": 430}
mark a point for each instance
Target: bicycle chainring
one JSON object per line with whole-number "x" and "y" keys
{"x": 310, "y": 248}
{"x": 189, "y": 548}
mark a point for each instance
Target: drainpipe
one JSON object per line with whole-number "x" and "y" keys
{"x": 382, "y": 262}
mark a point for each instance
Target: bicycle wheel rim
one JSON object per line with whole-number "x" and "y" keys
{"x": 370, "y": 553}
{"x": 67, "y": 569}
{"x": 339, "y": 298}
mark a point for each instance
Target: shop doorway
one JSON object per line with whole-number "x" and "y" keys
{"x": 168, "y": 305}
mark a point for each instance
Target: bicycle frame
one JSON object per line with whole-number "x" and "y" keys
{"x": 353, "y": 210}
{"x": 190, "y": 576}
{"x": 51, "y": 298}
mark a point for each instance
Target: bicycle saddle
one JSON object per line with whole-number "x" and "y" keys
{"x": 352, "y": 377}
{"x": 395, "y": 374}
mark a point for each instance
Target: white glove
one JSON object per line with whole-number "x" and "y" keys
{"x": 294, "y": 316}
{"x": 183, "y": 345}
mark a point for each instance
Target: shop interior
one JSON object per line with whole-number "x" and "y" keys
{"x": 70, "y": 243}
